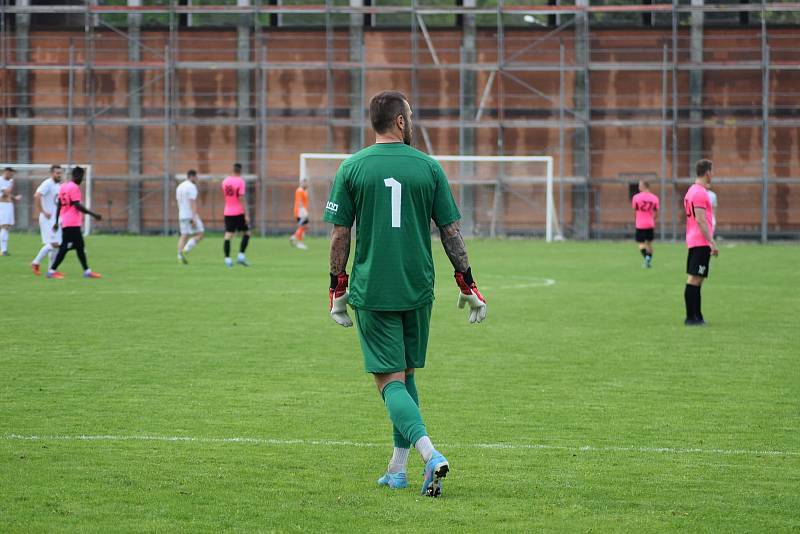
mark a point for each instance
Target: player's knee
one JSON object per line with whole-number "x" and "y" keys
{"x": 198, "y": 237}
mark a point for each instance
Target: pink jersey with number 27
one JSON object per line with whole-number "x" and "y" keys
{"x": 69, "y": 214}
{"x": 645, "y": 204}
{"x": 697, "y": 197}
{"x": 233, "y": 188}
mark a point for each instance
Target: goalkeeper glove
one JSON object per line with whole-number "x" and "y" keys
{"x": 470, "y": 295}
{"x": 338, "y": 299}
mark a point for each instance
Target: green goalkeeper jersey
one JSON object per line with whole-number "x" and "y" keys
{"x": 391, "y": 191}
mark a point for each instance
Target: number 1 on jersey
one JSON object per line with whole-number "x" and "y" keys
{"x": 397, "y": 197}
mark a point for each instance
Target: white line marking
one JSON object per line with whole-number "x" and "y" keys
{"x": 346, "y": 443}
{"x": 525, "y": 283}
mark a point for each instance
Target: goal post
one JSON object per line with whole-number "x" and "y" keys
{"x": 37, "y": 172}
{"x": 499, "y": 173}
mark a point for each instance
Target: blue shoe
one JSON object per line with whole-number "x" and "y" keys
{"x": 228, "y": 262}
{"x": 393, "y": 480}
{"x": 435, "y": 470}
{"x": 243, "y": 262}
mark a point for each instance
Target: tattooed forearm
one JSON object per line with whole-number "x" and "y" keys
{"x": 340, "y": 248}
{"x": 453, "y": 244}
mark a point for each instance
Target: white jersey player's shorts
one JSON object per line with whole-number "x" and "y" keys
{"x": 6, "y": 213}
{"x": 46, "y": 230}
{"x": 187, "y": 228}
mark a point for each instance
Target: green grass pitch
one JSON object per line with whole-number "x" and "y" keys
{"x": 165, "y": 398}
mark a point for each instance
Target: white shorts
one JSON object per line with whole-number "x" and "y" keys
{"x": 46, "y": 231}
{"x": 6, "y": 213}
{"x": 188, "y": 229}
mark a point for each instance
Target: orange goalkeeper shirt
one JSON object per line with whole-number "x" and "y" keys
{"x": 300, "y": 200}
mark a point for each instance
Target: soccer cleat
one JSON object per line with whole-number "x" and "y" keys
{"x": 55, "y": 275}
{"x": 435, "y": 470}
{"x": 182, "y": 259}
{"x": 301, "y": 245}
{"x": 694, "y": 322}
{"x": 293, "y": 241}
{"x": 5, "y": 253}
{"x": 92, "y": 274}
{"x": 35, "y": 269}
{"x": 393, "y": 480}
{"x": 228, "y": 262}
{"x": 243, "y": 262}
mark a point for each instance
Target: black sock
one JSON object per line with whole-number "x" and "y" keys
{"x": 82, "y": 258}
{"x": 227, "y": 248}
{"x": 688, "y": 297}
{"x": 643, "y": 252}
{"x": 243, "y": 244}
{"x": 62, "y": 251}
{"x": 698, "y": 308}
{"x": 649, "y": 255}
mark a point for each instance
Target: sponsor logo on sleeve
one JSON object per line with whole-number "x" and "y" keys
{"x": 332, "y": 207}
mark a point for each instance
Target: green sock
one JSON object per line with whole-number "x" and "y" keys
{"x": 403, "y": 411}
{"x": 399, "y": 441}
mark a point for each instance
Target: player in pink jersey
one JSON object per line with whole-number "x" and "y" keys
{"x": 235, "y": 215}
{"x": 699, "y": 240}
{"x": 646, "y": 205}
{"x": 69, "y": 210}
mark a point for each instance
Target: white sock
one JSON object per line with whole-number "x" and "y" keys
{"x": 425, "y": 448}
{"x": 87, "y": 271}
{"x": 42, "y": 253}
{"x": 399, "y": 460}
{"x": 3, "y": 239}
{"x": 189, "y": 245}
{"x": 53, "y": 254}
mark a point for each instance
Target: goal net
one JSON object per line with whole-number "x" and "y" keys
{"x": 27, "y": 179}
{"x": 497, "y": 195}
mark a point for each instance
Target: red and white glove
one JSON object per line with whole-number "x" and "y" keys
{"x": 470, "y": 295}
{"x": 338, "y": 299}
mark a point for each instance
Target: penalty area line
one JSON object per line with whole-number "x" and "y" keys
{"x": 361, "y": 444}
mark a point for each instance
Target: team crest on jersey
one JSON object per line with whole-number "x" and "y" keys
{"x": 332, "y": 206}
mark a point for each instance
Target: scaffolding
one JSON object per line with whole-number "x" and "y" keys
{"x": 501, "y": 73}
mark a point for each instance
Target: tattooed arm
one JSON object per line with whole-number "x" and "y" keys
{"x": 340, "y": 251}
{"x": 340, "y": 248}
{"x": 454, "y": 246}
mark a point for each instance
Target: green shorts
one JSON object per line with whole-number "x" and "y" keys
{"x": 393, "y": 341}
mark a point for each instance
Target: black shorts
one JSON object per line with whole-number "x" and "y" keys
{"x": 644, "y": 234}
{"x": 236, "y": 223}
{"x": 697, "y": 263}
{"x": 71, "y": 237}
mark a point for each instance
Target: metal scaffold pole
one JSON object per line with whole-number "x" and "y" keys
{"x": 764, "y": 130}
{"x": 166, "y": 133}
{"x": 262, "y": 149}
{"x": 674, "y": 147}
{"x": 70, "y": 102}
{"x": 663, "y": 177}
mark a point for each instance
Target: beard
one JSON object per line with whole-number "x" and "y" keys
{"x": 407, "y": 134}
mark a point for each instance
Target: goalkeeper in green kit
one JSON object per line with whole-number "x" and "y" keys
{"x": 392, "y": 191}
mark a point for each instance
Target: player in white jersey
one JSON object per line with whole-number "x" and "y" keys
{"x": 713, "y": 197}
{"x": 45, "y": 197}
{"x": 190, "y": 224}
{"x": 7, "y": 199}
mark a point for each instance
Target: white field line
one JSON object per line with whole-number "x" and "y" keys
{"x": 346, "y": 443}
